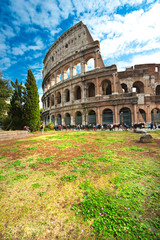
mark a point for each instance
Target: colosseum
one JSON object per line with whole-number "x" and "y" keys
{"x": 79, "y": 89}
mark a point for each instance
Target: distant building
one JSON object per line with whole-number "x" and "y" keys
{"x": 74, "y": 93}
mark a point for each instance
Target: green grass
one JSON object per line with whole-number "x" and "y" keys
{"x": 106, "y": 188}
{"x": 45, "y": 160}
{"x": 69, "y": 178}
{"x": 31, "y": 148}
{"x": 36, "y": 185}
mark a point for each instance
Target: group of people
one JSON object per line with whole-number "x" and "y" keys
{"x": 153, "y": 125}
{"x": 94, "y": 127}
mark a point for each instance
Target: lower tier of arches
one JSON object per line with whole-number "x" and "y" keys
{"x": 124, "y": 115}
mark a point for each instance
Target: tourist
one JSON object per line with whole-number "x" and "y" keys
{"x": 41, "y": 128}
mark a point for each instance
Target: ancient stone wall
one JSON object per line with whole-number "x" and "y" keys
{"x": 79, "y": 89}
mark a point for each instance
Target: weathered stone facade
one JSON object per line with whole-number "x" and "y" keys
{"x": 74, "y": 94}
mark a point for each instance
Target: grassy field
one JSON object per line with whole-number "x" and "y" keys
{"x": 80, "y": 185}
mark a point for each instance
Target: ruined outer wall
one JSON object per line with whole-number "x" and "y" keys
{"x": 98, "y": 90}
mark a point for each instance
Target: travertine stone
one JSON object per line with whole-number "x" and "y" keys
{"x": 96, "y": 95}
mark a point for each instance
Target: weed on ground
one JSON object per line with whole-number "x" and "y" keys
{"x": 80, "y": 185}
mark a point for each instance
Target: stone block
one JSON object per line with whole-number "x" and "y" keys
{"x": 146, "y": 138}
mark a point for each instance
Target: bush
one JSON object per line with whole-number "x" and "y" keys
{"x": 51, "y": 125}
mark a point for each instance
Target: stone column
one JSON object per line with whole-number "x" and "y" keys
{"x": 55, "y": 77}
{"x": 82, "y": 66}
{"x": 98, "y": 117}
{"x": 62, "y": 100}
{"x": 72, "y": 123}
{"x": 71, "y": 70}
{"x": 83, "y": 92}
{"x": 56, "y": 123}
{"x": 63, "y": 120}
{"x": 97, "y": 88}
{"x": 114, "y": 86}
{"x": 84, "y": 118}
{"x": 62, "y": 74}
{"x": 135, "y": 113}
{"x": 115, "y": 119}
{"x": 148, "y": 114}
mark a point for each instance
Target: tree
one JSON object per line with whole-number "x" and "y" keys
{"x": 31, "y": 103}
{"x": 5, "y": 94}
{"x": 16, "y": 108}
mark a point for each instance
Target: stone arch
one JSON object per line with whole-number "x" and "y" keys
{"x": 66, "y": 95}
{"x": 125, "y": 116}
{"x": 91, "y": 90}
{"x": 158, "y": 90}
{"x": 90, "y": 63}
{"x": 59, "y": 119}
{"x": 52, "y": 100}
{"x": 77, "y": 68}
{"x": 67, "y": 119}
{"x": 155, "y": 115}
{"x": 92, "y": 117}
{"x": 59, "y": 76}
{"x": 66, "y": 72}
{"x": 106, "y": 87}
{"x": 77, "y": 92}
{"x": 141, "y": 115}
{"x": 78, "y": 118}
{"x": 124, "y": 88}
{"x": 139, "y": 86}
{"x": 53, "y": 119}
{"x": 107, "y": 116}
{"x": 58, "y": 97}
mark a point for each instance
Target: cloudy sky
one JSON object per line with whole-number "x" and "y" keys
{"x": 128, "y": 30}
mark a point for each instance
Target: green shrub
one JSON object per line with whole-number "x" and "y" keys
{"x": 51, "y": 125}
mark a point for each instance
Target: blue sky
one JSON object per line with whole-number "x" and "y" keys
{"x": 128, "y": 30}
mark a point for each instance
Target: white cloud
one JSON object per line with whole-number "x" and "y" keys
{"x": 5, "y": 63}
{"x": 139, "y": 59}
{"x": 7, "y": 31}
{"x": 42, "y": 13}
{"x": 23, "y": 48}
{"x": 133, "y": 32}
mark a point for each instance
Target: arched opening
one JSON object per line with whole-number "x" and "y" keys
{"x": 78, "y": 119}
{"x": 48, "y": 105}
{"x": 66, "y": 95}
{"x": 77, "y": 93}
{"x": 125, "y": 116}
{"x": 155, "y": 115}
{"x": 158, "y": 90}
{"x": 91, "y": 90}
{"x": 67, "y": 119}
{"x": 139, "y": 86}
{"x": 59, "y": 77}
{"x": 66, "y": 72}
{"x": 58, "y": 97}
{"x": 59, "y": 119}
{"x": 52, "y": 100}
{"x": 52, "y": 80}
{"x": 106, "y": 87}
{"x": 92, "y": 117}
{"x": 76, "y": 68}
{"x": 48, "y": 119}
{"x": 89, "y": 65}
{"x": 53, "y": 119}
{"x": 124, "y": 87}
{"x": 107, "y": 116}
{"x": 141, "y": 115}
